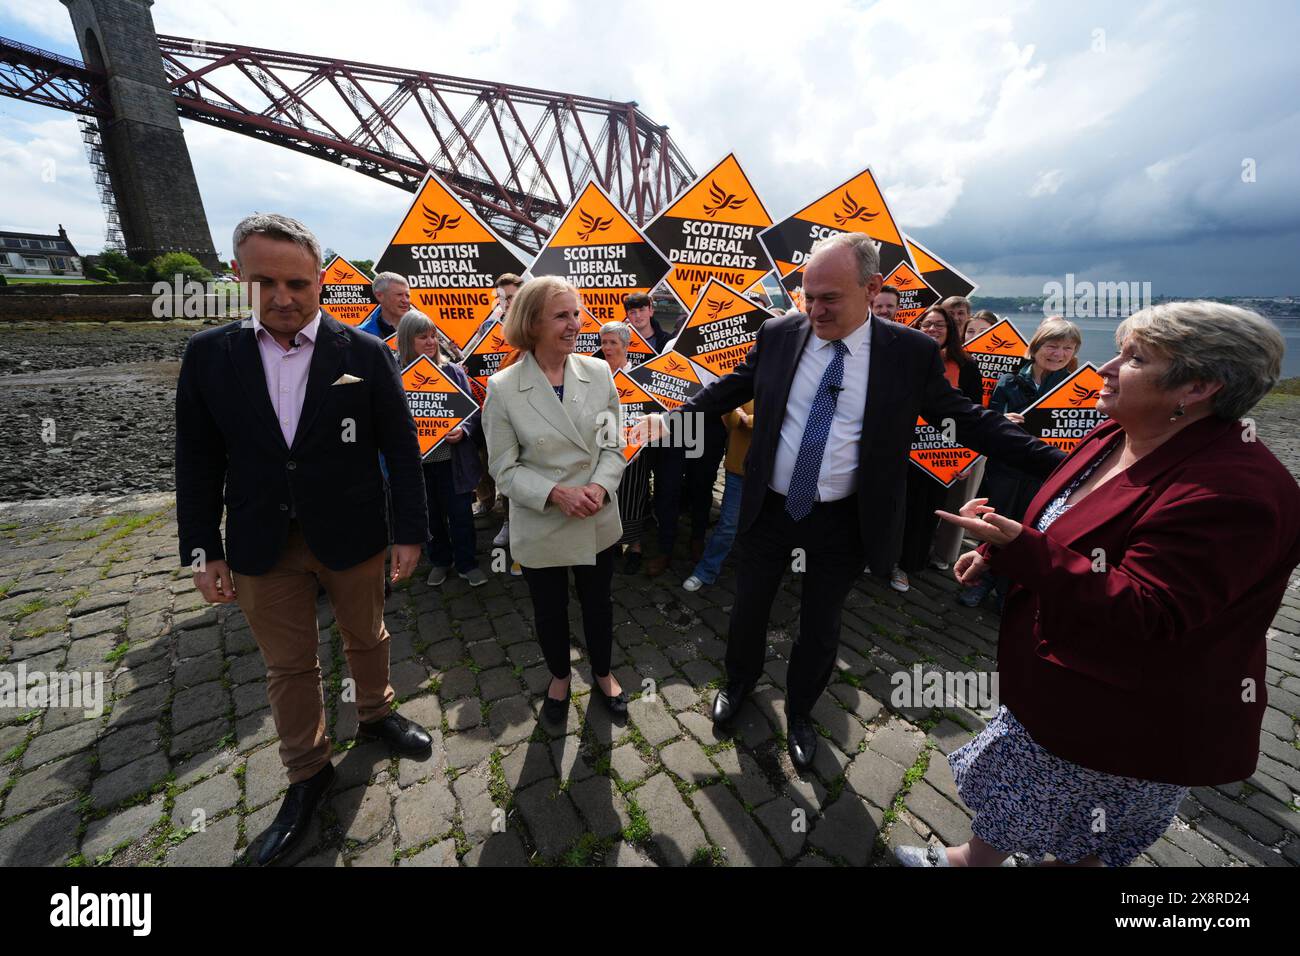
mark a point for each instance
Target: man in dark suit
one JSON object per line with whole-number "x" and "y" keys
{"x": 836, "y": 396}
{"x": 282, "y": 419}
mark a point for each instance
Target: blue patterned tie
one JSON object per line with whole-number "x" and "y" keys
{"x": 802, "y": 492}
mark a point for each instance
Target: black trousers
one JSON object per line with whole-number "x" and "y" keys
{"x": 924, "y": 495}
{"x": 549, "y": 589}
{"x": 833, "y": 559}
{"x": 678, "y": 477}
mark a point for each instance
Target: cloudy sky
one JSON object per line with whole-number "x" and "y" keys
{"x": 1019, "y": 140}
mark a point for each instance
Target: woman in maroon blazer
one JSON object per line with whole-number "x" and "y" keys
{"x": 1146, "y": 574}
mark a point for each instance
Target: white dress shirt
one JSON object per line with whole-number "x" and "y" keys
{"x": 286, "y": 372}
{"x": 839, "y": 475}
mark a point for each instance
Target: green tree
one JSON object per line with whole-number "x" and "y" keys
{"x": 166, "y": 267}
{"x": 365, "y": 265}
{"x": 125, "y": 269}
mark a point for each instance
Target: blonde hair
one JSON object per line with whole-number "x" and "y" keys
{"x": 1212, "y": 342}
{"x": 520, "y": 326}
{"x": 1053, "y": 328}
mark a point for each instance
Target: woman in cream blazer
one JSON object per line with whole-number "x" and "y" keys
{"x": 555, "y": 450}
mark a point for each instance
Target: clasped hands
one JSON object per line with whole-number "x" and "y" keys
{"x": 576, "y": 502}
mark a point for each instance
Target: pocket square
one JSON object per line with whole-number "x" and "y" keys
{"x": 346, "y": 379}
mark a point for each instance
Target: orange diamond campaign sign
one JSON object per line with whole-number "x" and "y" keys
{"x": 720, "y": 330}
{"x": 856, "y": 205}
{"x": 711, "y": 231}
{"x": 938, "y": 456}
{"x": 938, "y": 275}
{"x": 669, "y": 377}
{"x": 485, "y": 359}
{"x": 914, "y": 296}
{"x": 999, "y": 351}
{"x": 1068, "y": 412}
{"x": 634, "y": 404}
{"x": 437, "y": 403}
{"x": 450, "y": 258}
{"x": 347, "y": 293}
{"x": 602, "y": 252}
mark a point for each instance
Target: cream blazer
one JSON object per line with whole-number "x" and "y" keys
{"x": 534, "y": 444}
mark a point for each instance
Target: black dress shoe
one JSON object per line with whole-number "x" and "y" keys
{"x": 803, "y": 741}
{"x": 555, "y": 711}
{"x": 728, "y": 702}
{"x": 295, "y": 815}
{"x": 403, "y": 736}
{"x": 616, "y": 705}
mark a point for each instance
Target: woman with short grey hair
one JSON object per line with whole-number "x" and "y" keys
{"x": 1131, "y": 656}
{"x": 452, "y": 471}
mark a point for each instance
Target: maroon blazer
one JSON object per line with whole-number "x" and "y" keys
{"x": 1140, "y": 669}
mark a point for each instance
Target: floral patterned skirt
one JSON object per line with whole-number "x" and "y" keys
{"x": 1027, "y": 800}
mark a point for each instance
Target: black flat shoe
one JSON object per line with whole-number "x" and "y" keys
{"x": 295, "y": 816}
{"x": 802, "y": 741}
{"x": 616, "y": 705}
{"x": 556, "y": 711}
{"x": 728, "y": 702}
{"x": 402, "y": 736}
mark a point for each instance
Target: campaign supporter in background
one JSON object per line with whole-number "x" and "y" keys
{"x": 634, "y": 488}
{"x": 394, "y": 295}
{"x": 1053, "y": 355}
{"x": 924, "y": 494}
{"x": 885, "y": 304}
{"x": 958, "y": 306}
{"x": 260, "y": 412}
{"x": 451, "y": 471}
{"x": 979, "y": 323}
{"x": 485, "y": 495}
{"x": 836, "y": 396}
{"x": 640, "y": 310}
{"x": 1122, "y": 687}
{"x": 552, "y": 450}
{"x": 740, "y": 429}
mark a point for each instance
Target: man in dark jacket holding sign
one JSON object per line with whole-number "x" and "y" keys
{"x": 288, "y": 413}
{"x": 836, "y": 396}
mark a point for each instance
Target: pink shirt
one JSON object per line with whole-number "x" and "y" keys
{"x": 286, "y": 372}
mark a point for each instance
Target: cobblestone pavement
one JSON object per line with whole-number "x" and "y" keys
{"x": 182, "y": 769}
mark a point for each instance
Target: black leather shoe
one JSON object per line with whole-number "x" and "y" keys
{"x": 295, "y": 815}
{"x": 728, "y": 702}
{"x": 555, "y": 711}
{"x": 616, "y": 705}
{"x": 403, "y": 736}
{"x": 802, "y": 740}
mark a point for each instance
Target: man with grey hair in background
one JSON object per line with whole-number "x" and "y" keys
{"x": 280, "y": 421}
{"x": 836, "y": 396}
{"x": 394, "y": 295}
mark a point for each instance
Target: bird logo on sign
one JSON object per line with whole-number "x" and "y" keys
{"x": 438, "y": 222}
{"x": 339, "y": 274}
{"x": 419, "y": 380}
{"x": 592, "y": 224}
{"x": 722, "y": 200}
{"x": 625, "y": 392}
{"x": 672, "y": 365}
{"x": 715, "y": 307}
{"x": 1082, "y": 394}
{"x": 998, "y": 343}
{"x": 496, "y": 340}
{"x": 853, "y": 211}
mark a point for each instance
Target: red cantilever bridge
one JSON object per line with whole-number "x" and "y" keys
{"x": 518, "y": 154}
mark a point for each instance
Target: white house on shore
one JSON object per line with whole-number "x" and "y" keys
{"x": 30, "y": 255}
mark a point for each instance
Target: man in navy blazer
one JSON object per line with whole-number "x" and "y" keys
{"x": 836, "y": 397}
{"x": 281, "y": 418}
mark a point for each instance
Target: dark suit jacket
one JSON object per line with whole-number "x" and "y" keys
{"x": 905, "y": 379}
{"x": 1138, "y": 669}
{"x": 227, "y": 436}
